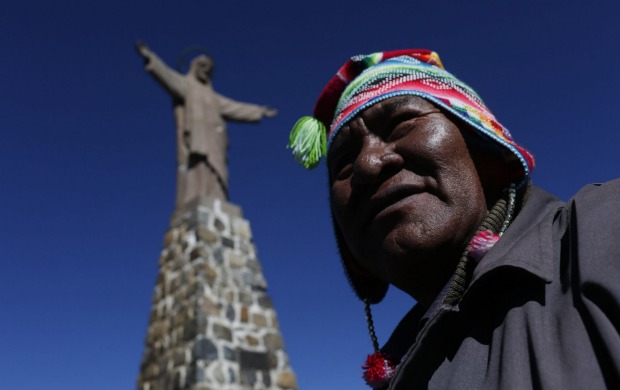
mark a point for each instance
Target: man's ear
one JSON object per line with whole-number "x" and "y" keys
{"x": 496, "y": 166}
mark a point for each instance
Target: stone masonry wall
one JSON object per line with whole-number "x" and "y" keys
{"x": 212, "y": 325}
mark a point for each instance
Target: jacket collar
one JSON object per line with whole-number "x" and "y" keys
{"x": 528, "y": 242}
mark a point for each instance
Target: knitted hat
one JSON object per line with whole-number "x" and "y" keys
{"x": 367, "y": 79}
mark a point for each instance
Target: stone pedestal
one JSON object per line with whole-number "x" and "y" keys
{"x": 212, "y": 325}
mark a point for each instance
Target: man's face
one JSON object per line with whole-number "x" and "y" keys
{"x": 405, "y": 192}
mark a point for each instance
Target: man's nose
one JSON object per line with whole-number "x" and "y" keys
{"x": 375, "y": 161}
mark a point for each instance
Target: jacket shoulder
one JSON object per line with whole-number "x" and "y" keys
{"x": 596, "y": 211}
{"x": 591, "y": 242}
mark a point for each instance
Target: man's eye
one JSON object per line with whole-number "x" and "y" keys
{"x": 344, "y": 172}
{"x": 342, "y": 166}
{"x": 401, "y": 129}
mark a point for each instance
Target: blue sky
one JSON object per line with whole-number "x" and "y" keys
{"x": 87, "y": 157}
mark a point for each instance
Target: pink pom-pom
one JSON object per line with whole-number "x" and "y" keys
{"x": 378, "y": 370}
{"x": 481, "y": 243}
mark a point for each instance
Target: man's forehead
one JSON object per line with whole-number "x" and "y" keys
{"x": 399, "y": 102}
{"x": 384, "y": 110}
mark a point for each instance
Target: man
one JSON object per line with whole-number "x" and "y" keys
{"x": 429, "y": 192}
{"x": 201, "y": 115}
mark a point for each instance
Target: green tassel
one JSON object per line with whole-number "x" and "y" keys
{"x": 308, "y": 141}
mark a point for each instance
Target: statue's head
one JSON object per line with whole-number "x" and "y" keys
{"x": 202, "y": 67}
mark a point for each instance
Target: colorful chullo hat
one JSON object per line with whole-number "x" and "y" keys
{"x": 367, "y": 79}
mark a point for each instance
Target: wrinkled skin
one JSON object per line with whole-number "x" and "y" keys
{"x": 405, "y": 193}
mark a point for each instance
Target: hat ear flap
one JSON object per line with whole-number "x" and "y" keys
{"x": 364, "y": 284}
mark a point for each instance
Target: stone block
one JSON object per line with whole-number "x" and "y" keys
{"x": 260, "y": 284}
{"x": 230, "y": 354}
{"x": 201, "y": 321}
{"x": 199, "y": 373}
{"x": 149, "y": 385}
{"x": 209, "y": 273}
{"x": 149, "y": 357}
{"x": 190, "y": 376}
{"x": 253, "y": 360}
{"x": 247, "y": 377}
{"x": 252, "y": 341}
{"x": 179, "y": 358}
{"x": 273, "y": 360}
{"x": 287, "y": 380}
{"x": 173, "y": 284}
{"x": 265, "y": 301}
{"x": 228, "y": 243}
{"x": 218, "y": 374}
{"x": 198, "y": 252}
{"x": 222, "y": 332}
{"x": 254, "y": 265}
{"x": 179, "y": 380}
{"x": 242, "y": 228}
{"x": 206, "y": 235}
{"x": 247, "y": 248}
{"x": 201, "y": 386}
{"x": 230, "y": 312}
{"x": 204, "y": 349}
{"x": 164, "y": 381}
{"x": 183, "y": 278}
{"x": 161, "y": 279}
{"x": 273, "y": 341}
{"x": 210, "y": 308}
{"x": 259, "y": 320}
{"x": 219, "y": 224}
{"x": 162, "y": 259}
{"x": 170, "y": 237}
{"x": 236, "y": 260}
{"x": 218, "y": 255}
{"x": 182, "y": 316}
{"x": 224, "y": 276}
{"x": 154, "y": 315}
{"x": 176, "y": 252}
{"x": 274, "y": 321}
{"x": 248, "y": 278}
{"x": 185, "y": 244}
{"x": 194, "y": 289}
{"x": 245, "y": 298}
{"x": 157, "y": 330}
{"x": 244, "y": 314}
{"x": 152, "y": 371}
{"x": 200, "y": 216}
{"x": 266, "y": 378}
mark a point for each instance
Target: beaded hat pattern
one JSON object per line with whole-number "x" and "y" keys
{"x": 367, "y": 79}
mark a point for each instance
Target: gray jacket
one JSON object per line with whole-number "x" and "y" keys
{"x": 542, "y": 310}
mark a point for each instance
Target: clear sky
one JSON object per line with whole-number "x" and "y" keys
{"x": 87, "y": 157}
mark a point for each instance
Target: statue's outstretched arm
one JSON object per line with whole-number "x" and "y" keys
{"x": 143, "y": 49}
{"x": 269, "y": 112}
{"x": 243, "y": 112}
{"x": 168, "y": 78}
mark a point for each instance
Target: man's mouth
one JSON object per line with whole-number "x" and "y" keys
{"x": 386, "y": 201}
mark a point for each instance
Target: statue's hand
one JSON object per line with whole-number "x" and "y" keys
{"x": 143, "y": 49}
{"x": 270, "y": 112}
